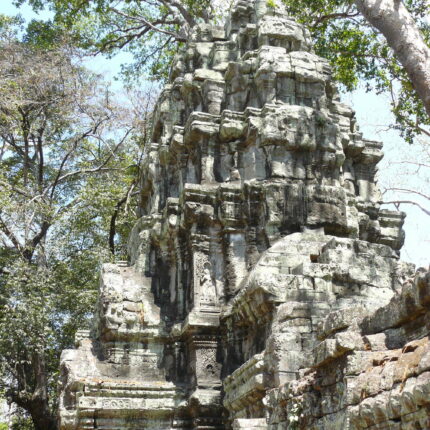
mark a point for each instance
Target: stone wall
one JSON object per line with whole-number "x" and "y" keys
{"x": 371, "y": 370}
{"x": 262, "y": 267}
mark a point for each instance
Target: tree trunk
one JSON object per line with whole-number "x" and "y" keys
{"x": 35, "y": 401}
{"x": 394, "y": 21}
{"x": 39, "y": 405}
{"x": 112, "y": 228}
{"x": 39, "y": 411}
{"x": 42, "y": 417}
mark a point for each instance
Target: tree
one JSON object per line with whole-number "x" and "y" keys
{"x": 68, "y": 160}
{"x": 409, "y": 181}
{"x": 149, "y": 29}
{"x": 349, "y": 33}
{"x": 404, "y": 37}
{"x": 358, "y": 51}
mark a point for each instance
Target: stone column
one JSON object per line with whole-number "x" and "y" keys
{"x": 205, "y": 360}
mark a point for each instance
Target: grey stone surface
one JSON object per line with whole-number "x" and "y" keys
{"x": 264, "y": 289}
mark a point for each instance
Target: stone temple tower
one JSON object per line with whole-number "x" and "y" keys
{"x": 260, "y": 258}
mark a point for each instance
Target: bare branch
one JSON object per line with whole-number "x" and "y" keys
{"x": 414, "y": 163}
{"x": 397, "y": 203}
{"x": 423, "y": 130}
{"x": 407, "y": 190}
{"x": 99, "y": 168}
{"x": 152, "y": 26}
{"x": 330, "y": 16}
{"x": 69, "y": 153}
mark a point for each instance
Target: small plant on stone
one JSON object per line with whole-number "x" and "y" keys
{"x": 320, "y": 120}
{"x": 294, "y": 415}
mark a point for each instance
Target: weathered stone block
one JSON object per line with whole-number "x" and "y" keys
{"x": 263, "y": 288}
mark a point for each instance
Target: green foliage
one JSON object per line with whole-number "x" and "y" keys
{"x": 43, "y": 308}
{"x": 359, "y": 54}
{"x": 43, "y": 34}
{"x": 150, "y": 31}
{"x": 22, "y": 422}
{"x": 9, "y": 25}
{"x": 69, "y": 156}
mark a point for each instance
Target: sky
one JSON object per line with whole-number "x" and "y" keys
{"x": 373, "y": 116}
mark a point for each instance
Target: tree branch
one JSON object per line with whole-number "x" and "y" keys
{"x": 406, "y": 190}
{"x": 15, "y": 189}
{"x": 414, "y": 163}
{"x": 404, "y": 37}
{"x": 330, "y": 16}
{"x": 69, "y": 153}
{"x": 184, "y": 13}
{"x": 152, "y": 26}
{"x": 97, "y": 169}
{"x": 8, "y": 233}
{"x": 31, "y": 246}
{"x": 423, "y": 130}
{"x": 397, "y": 203}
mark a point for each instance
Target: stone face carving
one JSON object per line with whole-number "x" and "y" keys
{"x": 264, "y": 289}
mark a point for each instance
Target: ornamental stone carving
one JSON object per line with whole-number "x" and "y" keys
{"x": 264, "y": 288}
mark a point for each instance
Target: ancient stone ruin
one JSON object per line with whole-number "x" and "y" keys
{"x": 264, "y": 288}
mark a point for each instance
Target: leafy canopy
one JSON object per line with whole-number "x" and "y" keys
{"x": 150, "y": 30}
{"x": 69, "y": 157}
